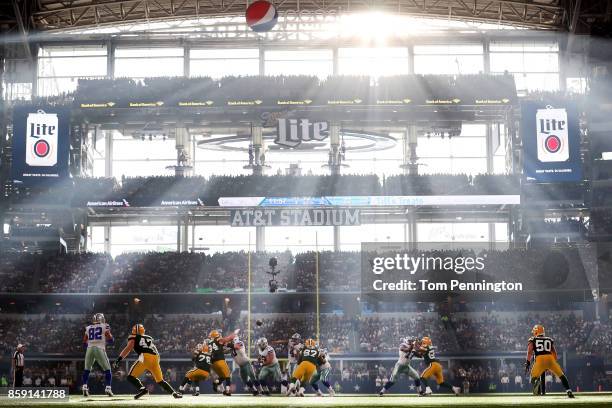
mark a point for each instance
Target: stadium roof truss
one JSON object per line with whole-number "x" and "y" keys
{"x": 70, "y": 14}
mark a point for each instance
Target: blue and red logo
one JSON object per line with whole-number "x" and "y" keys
{"x": 261, "y": 16}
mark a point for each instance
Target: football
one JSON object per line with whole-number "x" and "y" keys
{"x": 258, "y": 322}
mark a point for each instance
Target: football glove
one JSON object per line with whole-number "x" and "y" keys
{"x": 117, "y": 362}
{"x": 527, "y": 365}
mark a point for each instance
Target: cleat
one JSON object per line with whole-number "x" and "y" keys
{"x": 177, "y": 395}
{"x": 570, "y": 394}
{"x": 227, "y": 393}
{"x": 108, "y": 391}
{"x": 85, "y": 392}
{"x": 319, "y": 393}
{"x": 536, "y": 387}
{"x": 457, "y": 390}
{"x": 196, "y": 393}
{"x": 428, "y": 390}
{"x": 331, "y": 392}
{"x": 381, "y": 393}
{"x": 143, "y": 391}
{"x": 422, "y": 393}
{"x": 255, "y": 393}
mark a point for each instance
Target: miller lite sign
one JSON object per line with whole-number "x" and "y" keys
{"x": 41, "y": 140}
{"x": 551, "y": 142}
{"x": 552, "y": 135}
{"x": 292, "y": 132}
{"x": 41, "y": 143}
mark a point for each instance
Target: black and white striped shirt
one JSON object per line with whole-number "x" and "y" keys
{"x": 18, "y": 358}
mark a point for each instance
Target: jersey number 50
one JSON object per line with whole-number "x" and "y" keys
{"x": 543, "y": 345}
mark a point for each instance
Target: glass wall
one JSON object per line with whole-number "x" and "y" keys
{"x": 448, "y": 59}
{"x": 221, "y": 238}
{"x": 134, "y": 157}
{"x": 464, "y": 154}
{"x": 217, "y": 63}
{"x": 299, "y": 62}
{"x": 535, "y": 65}
{"x": 134, "y": 238}
{"x": 352, "y": 237}
{"x": 299, "y": 239}
{"x": 59, "y": 68}
{"x": 374, "y": 62}
{"x": 140, "y": 63}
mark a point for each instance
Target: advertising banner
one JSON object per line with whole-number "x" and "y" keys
{"x": 41, "y": 143}
{"x": 551, "y": 142}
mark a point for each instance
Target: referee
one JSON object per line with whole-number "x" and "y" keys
{"x": 18, "y": 363}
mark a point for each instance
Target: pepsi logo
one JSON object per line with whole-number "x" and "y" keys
{"x": 261, "y": 16}
{"x": 42, "y": 148}
{"x": 552, "y": 144}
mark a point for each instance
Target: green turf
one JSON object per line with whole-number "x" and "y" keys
{"x": 474, "y": 400}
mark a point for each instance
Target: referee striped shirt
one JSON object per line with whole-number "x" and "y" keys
{"x": 19, "y": 359}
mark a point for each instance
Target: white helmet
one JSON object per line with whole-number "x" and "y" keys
{"x": 262, "y": 342}
{"x": 99, "y": 318}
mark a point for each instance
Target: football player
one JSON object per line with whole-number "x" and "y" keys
{"x": 294, "y": 345}
{"x": 200, "y": 371}
{"x": 322, "y": 374}
{"x": 407, "y": 349}
{"x": 307, "y": 366}
{"x": 148, "y": 360}
{"x": 270, "y": 369}
{"x": 97, "y": 335}
{"x": 542, "y": 349}
{"x": 434, "y": 368}
{"x": 247, "y": 374}
{"x": 216, "y": 343}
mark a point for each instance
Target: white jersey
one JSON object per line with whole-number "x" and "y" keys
{"x": 293, "y": 351}
{"x": 325, "y": 355}
{"x": 239, "y": 353}
{"x": 404, "y": 357}
{"x": 96, "y": 335}
{"x": 265, "y": 352}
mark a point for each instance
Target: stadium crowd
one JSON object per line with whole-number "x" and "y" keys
{"x": 166, "y": 272}
{"x": 161, "y": 190}
{"x": 269, "y": 89}
{"x": 177, "y": 334}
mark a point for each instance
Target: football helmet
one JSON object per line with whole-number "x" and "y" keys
{"x": 98, "y": 318}
{"x": 538, "y": 330}
{"x": 262, "y": 343}
{"x": 296, "y": 337}
{"x": 138, "y": 329}
{"x": 426, "y": 342}
{"x": 310, "y": 343}
{"x": 215, "y": 334}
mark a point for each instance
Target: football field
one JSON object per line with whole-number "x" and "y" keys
{"x": 474, "y": 400}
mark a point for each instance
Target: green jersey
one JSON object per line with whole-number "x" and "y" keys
{"x": 216, "y": 350}
{"x": 143, "y": 344}
{"x": 310, "y": 354}
{"x": 202, "y": 361}
{"x": 429, "y": 355}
